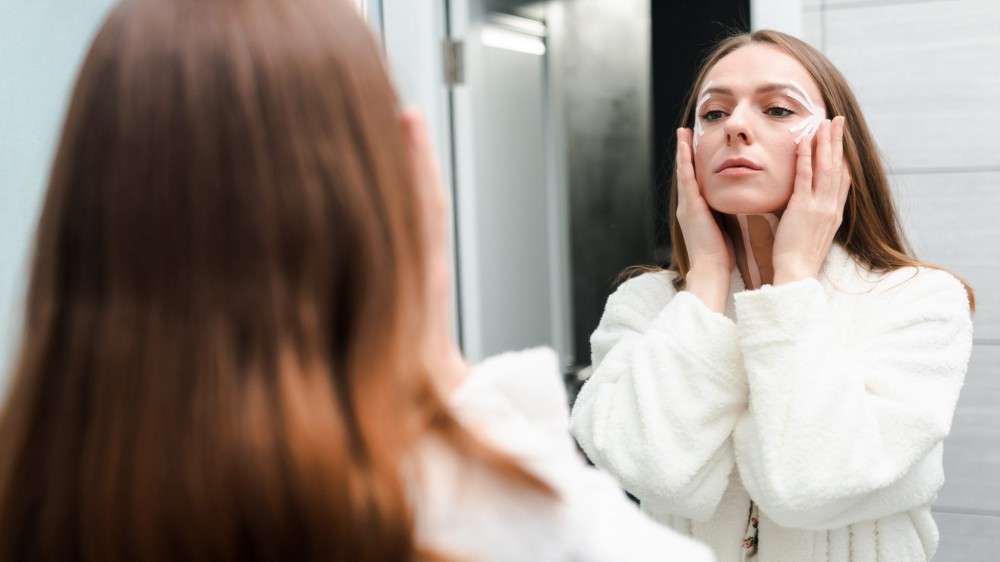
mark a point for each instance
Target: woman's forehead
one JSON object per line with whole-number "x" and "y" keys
{"x": 748, "y": 68}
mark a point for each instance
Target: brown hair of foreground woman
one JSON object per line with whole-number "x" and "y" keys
{"x": 229, "y": 345}
{"x": 871, "y": 230}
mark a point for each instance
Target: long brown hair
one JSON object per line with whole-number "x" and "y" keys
{"x": 871, "y": 230}
{"x": 217, "y": 356}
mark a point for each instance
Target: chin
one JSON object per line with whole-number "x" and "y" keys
{"x": 745, "y": 202}
{"x": 743, "y": 206}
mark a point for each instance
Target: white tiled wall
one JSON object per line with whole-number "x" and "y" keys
{"x": 967, "y": 538}
{"x": 927, "y": 75}
{"x": 970, "y": 463}
{"x": 951, "y": 220}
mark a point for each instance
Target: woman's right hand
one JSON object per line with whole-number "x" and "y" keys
{"x": 710, "y": 253}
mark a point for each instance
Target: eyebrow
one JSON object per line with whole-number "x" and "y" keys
{"x": 763, "y": 89}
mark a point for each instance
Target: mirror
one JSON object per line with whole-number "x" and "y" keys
{"x": 588, "y": 197}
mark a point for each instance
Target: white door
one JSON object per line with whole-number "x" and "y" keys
{"x": 488, "y": 114}
{"x": 509, "y": 225}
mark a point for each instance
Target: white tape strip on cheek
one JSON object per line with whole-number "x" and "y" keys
{"x": 808, "y": 125}
{"x": 698, "y": 130}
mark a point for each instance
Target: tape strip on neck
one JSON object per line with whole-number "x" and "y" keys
{"x": 753, "y": 269}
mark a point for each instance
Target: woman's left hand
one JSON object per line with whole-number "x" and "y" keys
{"x": 816, "y": 208}
{"x": 440, "y": 351}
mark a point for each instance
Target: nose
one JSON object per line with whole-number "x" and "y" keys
{"x": 738, "y": 126}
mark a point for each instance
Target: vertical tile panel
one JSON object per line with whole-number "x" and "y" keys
{"x": 967, "y": 538}
{"x": 812, "y": 27}
{"x": 951, "y": 221}
{"x": 927, "y": 76}
{"x": 972, "y": 451}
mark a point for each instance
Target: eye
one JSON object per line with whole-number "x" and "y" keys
{"x": 713, "y": 115}
{"x": 778, "y": 111}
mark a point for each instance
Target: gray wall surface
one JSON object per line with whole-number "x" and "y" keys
{"x": 42, "y": 43}
{"x": 927, "y": 75}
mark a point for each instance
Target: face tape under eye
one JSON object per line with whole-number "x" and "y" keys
{"x": 698, "y": 130}
{"x": 816, "y": 115}
{"x": 806, "y": 127}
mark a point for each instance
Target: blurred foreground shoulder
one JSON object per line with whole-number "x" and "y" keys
{"x": 517, "y": 402}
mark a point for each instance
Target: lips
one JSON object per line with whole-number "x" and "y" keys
{"x": 738, "y": 164}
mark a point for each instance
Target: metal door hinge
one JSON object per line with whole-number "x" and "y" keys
{"x": 454, "y": 62}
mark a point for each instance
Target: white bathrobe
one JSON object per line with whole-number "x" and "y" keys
{"x": 517, "y": 402}
{"x": 826, "y": 403}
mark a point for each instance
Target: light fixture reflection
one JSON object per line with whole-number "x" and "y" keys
{"x": 512, "y": 41}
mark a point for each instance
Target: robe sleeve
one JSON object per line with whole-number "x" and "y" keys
{"x": 847, "y": 413}
{"x": 665, "y": 393}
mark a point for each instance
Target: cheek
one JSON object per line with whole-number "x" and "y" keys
{"x": 782, "y": 148}
{"x": 700, "y": 163}
{"x": 708, "y": 145}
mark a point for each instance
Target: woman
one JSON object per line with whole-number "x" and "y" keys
{"x": 782, "y": 391}
{"x": 236, "y": 343}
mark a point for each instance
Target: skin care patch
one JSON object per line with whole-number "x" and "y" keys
{"x": 812, "y": 121}
{"x": 698, "y": 130}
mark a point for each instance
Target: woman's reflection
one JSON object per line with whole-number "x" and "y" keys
{"x": 811, "y": 428}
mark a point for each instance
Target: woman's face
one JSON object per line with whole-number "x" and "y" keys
{"x": 754, "y": 106}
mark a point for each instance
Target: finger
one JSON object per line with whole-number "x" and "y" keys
{"x": 823, "y": 162}
{"x": 686, "y": 136}
{"x": 421, "y": 150}
{"x": 425, "y": 169}
{"x": 410, "y": 120}
{"x": 845, "y": 176}
{"x": 416, "y": 129}
{"x": 420, "y": 139}
{"x": 687, "y": 184}
{"x": 845, "y": 188}
{"x": 804, "y": 167}
{"x": 837, "y": 140}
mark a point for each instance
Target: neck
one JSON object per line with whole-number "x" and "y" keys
{"x": 753, "y": 242}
